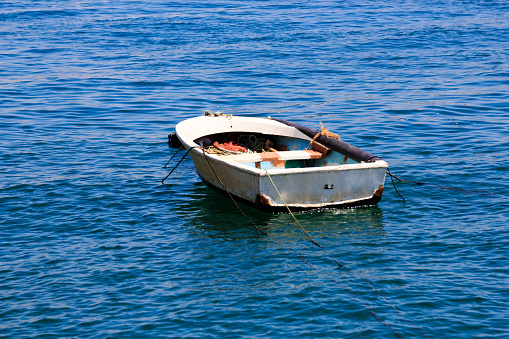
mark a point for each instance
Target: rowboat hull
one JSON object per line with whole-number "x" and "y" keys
{"x": 275, "y": 188}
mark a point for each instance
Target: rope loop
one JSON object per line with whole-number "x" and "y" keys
{"x": 325, "y": 132}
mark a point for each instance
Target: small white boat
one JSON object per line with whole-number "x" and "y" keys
{"x": 278, "y": 169}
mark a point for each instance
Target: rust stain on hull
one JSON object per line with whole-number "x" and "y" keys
{"x": 377, "y": 196}
{"x": 263, "y": 200}
{"x": 378, "y": 193}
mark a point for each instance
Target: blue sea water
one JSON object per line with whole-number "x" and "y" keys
{"x": 92, "y": 245}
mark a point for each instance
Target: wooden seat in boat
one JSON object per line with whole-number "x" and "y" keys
{"x": 273, "y": 156}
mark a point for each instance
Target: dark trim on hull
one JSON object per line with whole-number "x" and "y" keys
{"x": 261, "y": 205}
{"x": 342, "y": 147}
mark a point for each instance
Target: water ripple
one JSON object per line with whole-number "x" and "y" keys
{"x": 93, "y": 245}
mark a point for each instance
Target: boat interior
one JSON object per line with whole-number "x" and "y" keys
{"x": 265, "y": 151}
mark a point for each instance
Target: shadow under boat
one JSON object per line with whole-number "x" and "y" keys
{"x": 207, "y": 209}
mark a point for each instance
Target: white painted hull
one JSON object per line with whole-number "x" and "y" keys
{"x": 334, "y": 186}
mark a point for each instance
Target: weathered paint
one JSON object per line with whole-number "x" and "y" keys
{"x": 321, "y": 188}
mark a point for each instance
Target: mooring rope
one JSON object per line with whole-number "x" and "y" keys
{"x": 174, "y": 154}
{"x": 297, "y": 254}
{"x": 288, "y": 208}
{"x": 162, "y": 181}
{"x": 336, "y": 261}
{"x": 442, "y": 187}
{"x": 393, "y": 184}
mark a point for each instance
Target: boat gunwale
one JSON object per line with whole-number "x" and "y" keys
{"x": 256, "y": 125}
{"x": 193, "y": 147}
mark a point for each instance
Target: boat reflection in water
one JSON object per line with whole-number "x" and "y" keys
{"x": 233, "y": 255}
{"x": 216, "y": 214}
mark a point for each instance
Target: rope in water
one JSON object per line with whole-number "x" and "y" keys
{"x": 468, "y": 191}
{"x": 442, "y": 187}
{"x": 297, "y": 254}
{"x": 294, "y": 252}
{"x": 336, "y": 261}
{"x": 189, "y": 150}
{"x": 393, "y": 184}
{"x": 174, "y": 154}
